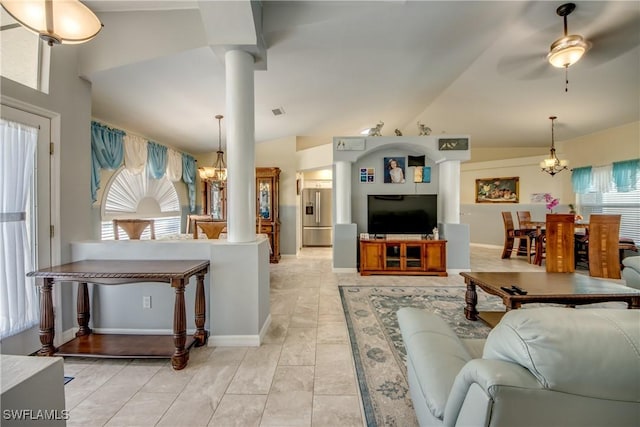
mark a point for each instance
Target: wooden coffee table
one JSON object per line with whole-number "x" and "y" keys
{"x": 559, "y": 288}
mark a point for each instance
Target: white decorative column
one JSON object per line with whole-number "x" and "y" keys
{"x": 343, "y": 192}
{"x": 241, "y": 171}
{"x": 449, "y": 191}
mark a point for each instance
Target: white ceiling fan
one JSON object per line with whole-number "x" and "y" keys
{"x": 610, "y": 30}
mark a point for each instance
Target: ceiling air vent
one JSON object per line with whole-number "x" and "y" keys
{"x": 278, "y": 111}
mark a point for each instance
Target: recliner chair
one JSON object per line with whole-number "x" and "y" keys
{"x": 548, "y": 366}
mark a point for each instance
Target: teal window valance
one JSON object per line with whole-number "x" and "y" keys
{"x": 625, "y": 175}
{"x": 189, "y": 177}
{"x": 156, "y": 160}
{"x": 581, "y": 179}
{"x": 107, "y": 152}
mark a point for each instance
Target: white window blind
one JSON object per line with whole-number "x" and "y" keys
{"x": 139, "y": 196}
{"x": 164, "y": 226}
{"x": 612, "y": 202}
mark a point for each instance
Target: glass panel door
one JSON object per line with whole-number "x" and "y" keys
{"x": 264, "y": 199}
{"x": 216, "y": 198}
{"x": 413, "y": 256}
{"x": 393, "y": 256}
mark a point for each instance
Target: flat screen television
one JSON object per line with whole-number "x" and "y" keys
{"x": 402, "y": 213}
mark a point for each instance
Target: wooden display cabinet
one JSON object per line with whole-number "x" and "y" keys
{"x": 267, "y": 202}
{"x": 403, "y": 257}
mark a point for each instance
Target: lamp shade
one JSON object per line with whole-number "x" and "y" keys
{"x": 567, "y": 50}
{"x": 56, "y": 21}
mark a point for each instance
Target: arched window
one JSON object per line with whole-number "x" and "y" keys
{"x": 140, "y": 196}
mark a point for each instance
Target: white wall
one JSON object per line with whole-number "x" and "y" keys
{"x": 68, "y": 103}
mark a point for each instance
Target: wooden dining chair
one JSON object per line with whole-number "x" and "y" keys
{"x": 211, "y": 229}
{"x": 529, "y": 234}
{"x": 559, "y": 243}
{"x": 510, "y": 234}
{"x": 603, "y": 246}
{"x": 133, "y": 228}
{"x": 192, "y": 218}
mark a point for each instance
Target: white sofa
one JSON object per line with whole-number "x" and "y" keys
{"x": 631, "y": 271}
{"x": 549, "y": 366}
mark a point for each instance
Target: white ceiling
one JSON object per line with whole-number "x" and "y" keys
{"x": 476, "y": 68}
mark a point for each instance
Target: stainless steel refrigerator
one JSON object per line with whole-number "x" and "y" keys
{"x": 316, "y": 217}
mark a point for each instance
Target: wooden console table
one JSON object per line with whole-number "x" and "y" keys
{"x": 112, "y": 272}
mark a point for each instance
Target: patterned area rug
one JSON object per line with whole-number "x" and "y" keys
{"x": 376, "y": 341}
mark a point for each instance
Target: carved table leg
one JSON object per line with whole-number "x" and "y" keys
{"x": 634, "y": 303}
{"x": 47, "y": 329}
{"x": 84, "y": 310}
{"x": 201, "y": 335}
{"x": 471, "y": 300}
{"x": 180, "y": 355}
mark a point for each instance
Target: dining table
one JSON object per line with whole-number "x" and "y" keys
{"x": 540, "y": 226}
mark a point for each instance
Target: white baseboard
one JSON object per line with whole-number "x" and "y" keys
{"x": 485, "y": 245}
{"x": 456, "y": 271}
{"x": 292, "y": 256}
{"x": 344, "y": 270}
{"x": 265, "y": 328}
{"x": 234, "y": 341}
{"x": 240, "y": 340}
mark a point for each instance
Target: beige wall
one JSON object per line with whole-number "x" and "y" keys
{"x": 615, "y": 144}
{"x": 602, "y": 148}
{"x": 499, "y": 153}
{"x": 304, "y": 142}
{"x": 280, "y": 153}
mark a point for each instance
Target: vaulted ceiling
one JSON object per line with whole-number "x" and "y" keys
{"x": 335, "y": 68}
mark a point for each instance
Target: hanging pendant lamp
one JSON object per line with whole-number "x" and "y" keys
{"x": 553, "y": 165}
{"x": 217, "y": 172}
{"x": 55, "y": 21}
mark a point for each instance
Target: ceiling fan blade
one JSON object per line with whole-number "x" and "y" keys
{"x": 529, "y": 60}
{"x": 614, "y": 42}
{"x": 526, "y": 66}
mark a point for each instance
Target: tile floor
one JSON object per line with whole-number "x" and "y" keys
{"x": 302, "y": 375}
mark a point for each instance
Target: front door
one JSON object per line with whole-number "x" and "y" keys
{"x": 38, "y": 215}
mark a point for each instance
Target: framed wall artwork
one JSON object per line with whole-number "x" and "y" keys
{"x": 394, "y": 170}
{"x": 498, "y": 190}
{"x": 367, "y": 175}
{"x": 422, "y": 174}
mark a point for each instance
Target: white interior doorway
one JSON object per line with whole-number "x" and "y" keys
{"x": 316, "y": 208}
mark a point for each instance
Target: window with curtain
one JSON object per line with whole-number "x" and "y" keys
{"x": 130, "y": 195}
{"x": 18, "y": 299}
{"x": 604, "y": 197}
